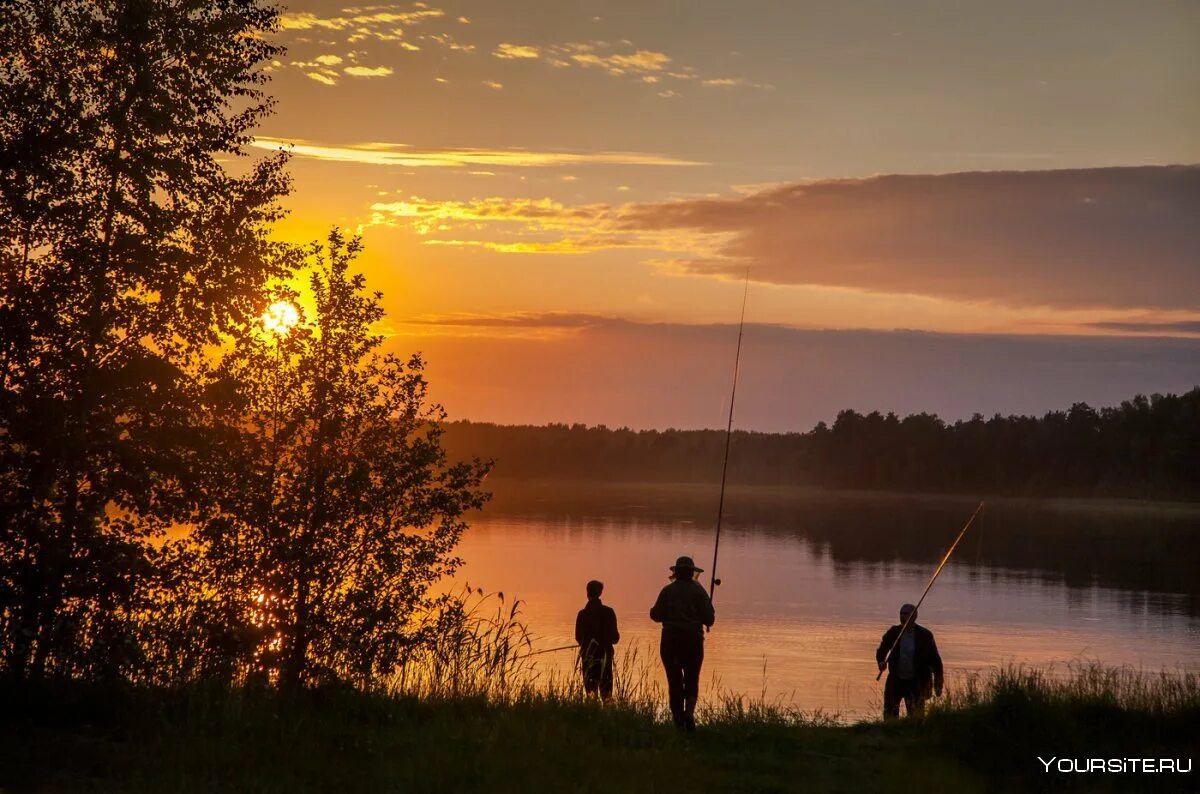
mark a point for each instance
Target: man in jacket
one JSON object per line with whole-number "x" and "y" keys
{"x": 914, "y": 668}
{"x": 684, "y": 609}
{"x": 596, "y": 633}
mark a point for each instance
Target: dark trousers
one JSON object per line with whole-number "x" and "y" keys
{"x": 914, "y": 692}
{"x": 682, "y": 654}
{"x": 598, "y": 673}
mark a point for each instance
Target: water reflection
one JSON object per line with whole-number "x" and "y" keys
{"x": 812, "y": 581}
{"x": 1076, "y": 544}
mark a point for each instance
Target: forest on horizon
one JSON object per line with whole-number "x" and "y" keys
{"x": 1147, "y": 447}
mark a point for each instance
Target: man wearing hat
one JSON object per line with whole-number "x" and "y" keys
{"x": 914, "y": 668}
{"x": 684, "y": 609}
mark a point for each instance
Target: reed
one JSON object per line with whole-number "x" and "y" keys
{"x": 473, "y": 716}
{"x": 1080, "y": 683}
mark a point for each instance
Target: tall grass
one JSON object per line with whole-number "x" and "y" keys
{"x": 472, "y": 644}
{"x": 477, "y": 646}
{"x": 471, "y": 709}
{"x": 1082, "y": 683}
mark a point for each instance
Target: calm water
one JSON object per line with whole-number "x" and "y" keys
{"x": 810, "y": 581}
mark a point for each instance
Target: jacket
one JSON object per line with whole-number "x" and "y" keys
{"x": 927, "y": 662}
{"x": 596, "y": 630}
{"x": 683, "y": 606}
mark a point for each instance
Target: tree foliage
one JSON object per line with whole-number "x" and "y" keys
{"x": 126, "y": 247}
{"x": 335, "y": 508}
{"x": 1145, "y": 447}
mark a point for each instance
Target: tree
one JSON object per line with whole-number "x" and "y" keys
{"x": 335, "y": 505}
{"x": 126, "y": 247}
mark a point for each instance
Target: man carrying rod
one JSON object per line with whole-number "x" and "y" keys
{"x": 684, "y": 609}
{"x": 909, "y": 653}
{"x": 914, "y": 666}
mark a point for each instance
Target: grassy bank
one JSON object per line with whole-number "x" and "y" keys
{"x": 986, "y": 737}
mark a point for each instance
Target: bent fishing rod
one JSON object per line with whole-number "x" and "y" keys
{"x": 913, "y": 615}
{"x": 737, "y": 360}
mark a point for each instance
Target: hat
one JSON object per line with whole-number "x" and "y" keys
{"x": 686, "y": 564}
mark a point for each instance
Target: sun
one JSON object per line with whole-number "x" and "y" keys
{"x": 280, "y": 317}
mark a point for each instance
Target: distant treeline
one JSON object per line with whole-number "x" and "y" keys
{"x": 1145, "y": 447}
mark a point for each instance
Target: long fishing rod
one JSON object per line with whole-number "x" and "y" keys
{"x": 737, "y": 360}
{"x": 547, "y": 650}
{"x": 912, "y": 615}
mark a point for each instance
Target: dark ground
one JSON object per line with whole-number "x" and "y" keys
{"x": 71, "y": 738}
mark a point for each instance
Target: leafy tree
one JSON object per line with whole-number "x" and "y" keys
{"x": 126, "y": 247}
{"x": 336, "y": 508}
{"x": 1146, "y": 447}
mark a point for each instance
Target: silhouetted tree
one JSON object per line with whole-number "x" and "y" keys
{"x": 126, "y": 247}
{"x": 1146, "y": 447}
{"x": 335, "y": 508}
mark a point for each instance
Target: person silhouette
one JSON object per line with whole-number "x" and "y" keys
{"x": 914, "y": 668}
{"x": 596, "y": 632}
{"x": 684, "y": 610}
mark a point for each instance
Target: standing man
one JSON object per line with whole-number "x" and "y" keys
{"x": 914, "y": 668}
{"x": 684, "y": 609}
{"x": 596, "y": 633}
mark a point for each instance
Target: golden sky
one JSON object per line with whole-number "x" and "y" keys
{"x": 564, "y": 195}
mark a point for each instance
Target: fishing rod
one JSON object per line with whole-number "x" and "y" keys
{"x": 737, "y": 360}
{"x": 912, "y": 615}
{"x": 547, "y": 650}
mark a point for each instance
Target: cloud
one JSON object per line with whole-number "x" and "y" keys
{"x": 449, "y": 42}
{"x": 507, "y": 51}
{"x": 1101, "y": 237}
{"x": 531, "y": 226}
{"x": 399, "y": 154}
{"x": 493, "y": 84}
{"x": 580, "y": 367}
{"x": 555, "y": 321}
{"x": 376, "y": 21}
{"x": 406, "y": 25}
{"x": 1182, "y": 327}
{"x": 392, "y": 23}
{"x": 618, "y": 64}
{"x": 368, "y": 71}
{"x": 518, "y": 226}
{"x": 618, "y": 60}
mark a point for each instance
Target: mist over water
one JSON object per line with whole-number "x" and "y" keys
{"x": 810, "y": 581}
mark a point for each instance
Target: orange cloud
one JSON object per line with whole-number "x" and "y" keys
{"x": 648, "y": 66}
{"x": 507, "y": 51}
{"x": 369, "y": 22}
{"x": 1099, "y": 237}
{"x": 368, "y": 71}
{"x": 573, "y": 367}
{"x": 399, "y": 154}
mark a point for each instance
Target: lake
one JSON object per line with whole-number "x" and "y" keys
{"x": 811, "y": 580}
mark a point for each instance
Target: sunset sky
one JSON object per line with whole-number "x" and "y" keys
{"x": 944, "y": 206}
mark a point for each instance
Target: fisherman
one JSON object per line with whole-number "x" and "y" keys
{"x": 914, "y": 667}
{"x": 596, "y": 633}
{"x": 684, "y": 609}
